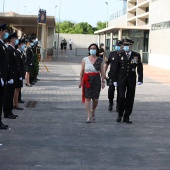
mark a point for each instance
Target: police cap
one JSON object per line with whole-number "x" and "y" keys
{"x": 13, "y": 35}
{"x": 127, "y": 41}
{"x": 119, "y": 42}
{"x": 22, "y": 41}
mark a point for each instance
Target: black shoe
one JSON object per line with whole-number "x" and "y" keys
{"x": 18, "y": 108}
{"x": 126, "y": 120}
{"x": 21, "y": 101}
{"x": 32, "y": 83}
{"x": 119, "y": 119}
{"x": 110, "y": 108}
{"x": 11, "y": 116}
{"x": 2, "y": 126}
{"x": 14, "y": 115}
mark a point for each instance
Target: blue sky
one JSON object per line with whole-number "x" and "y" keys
{"x": 89, "y": 11}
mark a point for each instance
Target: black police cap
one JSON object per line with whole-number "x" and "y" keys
{"x": 119, "y": 42}
{"x": 127, "y": 41}
{"x": 3, "y": 27}
{"x": 13, "y": 35}
{"x": 22, "y": 41}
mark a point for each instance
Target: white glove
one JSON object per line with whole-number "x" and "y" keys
{"x": 11, "y": 81}
{"x": 2, "y": 82}
{"x": 31, "y": 64}
{"x": 115, "y": 84}
{"x": 139, "y": 83}
{"x": 20, "y": 78}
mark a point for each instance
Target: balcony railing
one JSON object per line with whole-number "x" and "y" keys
{"x": 118, "y": 14}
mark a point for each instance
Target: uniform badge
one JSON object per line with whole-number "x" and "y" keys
{"x": 113, "y": 58}
{"x": 133, "y": 69}
{"x": 14, "y": 54}
{"x": 119, "y": 54}
{"x": 121, "y": 58}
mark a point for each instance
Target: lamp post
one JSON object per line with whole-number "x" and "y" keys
{"x": 55, "y": 26}
{"x": 58, "y": 28}
{"x": 3, "y": 6}
{"x": 107, "y": 15}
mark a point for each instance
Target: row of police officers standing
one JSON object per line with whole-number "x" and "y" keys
{"x": 13, "y": 63}
{"x": 125, "y": 65}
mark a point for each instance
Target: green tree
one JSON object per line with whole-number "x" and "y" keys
{"x": 101, "y": 25}
{"x": 80, "y": 28}
{"x": 84, "y": 28}
{"x": 65, "y": 27}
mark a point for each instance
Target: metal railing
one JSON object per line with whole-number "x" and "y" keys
{"x": 81, "y": 52}
{"x": 118, "y": 14}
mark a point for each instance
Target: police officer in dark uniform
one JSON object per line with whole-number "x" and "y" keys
{"x": 29, "y": 61}
{"x": 126, "y": 68}
{"x": 22, "y": 64}
{"x": 112, "y": 81}
{"x": 13, "y": 76}
{"x": 3, "y": 68}
{"x": 20, "y": 47}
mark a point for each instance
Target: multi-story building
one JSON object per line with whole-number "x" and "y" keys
{"x": 147, "y": 23}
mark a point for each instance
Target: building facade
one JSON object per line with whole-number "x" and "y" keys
{"x": 147, "y": 23}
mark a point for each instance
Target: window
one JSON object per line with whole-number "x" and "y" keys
{"x": 160, "y": 26}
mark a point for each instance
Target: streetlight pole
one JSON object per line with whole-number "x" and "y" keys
{"x": 3, "y": 6}
{"x": 107, "y": 15}
{"x": 55, "y": 42}
{"x": 58, "y": 28}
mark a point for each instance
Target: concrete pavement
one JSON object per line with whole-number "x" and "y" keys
{"x": 54, "y": 136}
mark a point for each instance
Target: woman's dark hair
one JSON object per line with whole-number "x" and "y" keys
{"x": 97, "y": 49}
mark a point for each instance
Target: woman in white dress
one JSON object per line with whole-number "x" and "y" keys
{"x": 91, "y": 80}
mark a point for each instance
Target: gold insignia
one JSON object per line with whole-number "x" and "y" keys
{"x": 121, "y": 58}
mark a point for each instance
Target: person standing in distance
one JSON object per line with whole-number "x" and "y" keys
{"x": 70, "y": 44}
{"x": 126, "y": 69}
{"x": 113, "y": 57}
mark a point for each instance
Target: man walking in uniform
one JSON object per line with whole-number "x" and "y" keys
{"x": 126, "y": 70}
{"x": 113, "y": 57}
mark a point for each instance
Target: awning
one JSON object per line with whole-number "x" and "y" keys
{"x": 117, "y": 28}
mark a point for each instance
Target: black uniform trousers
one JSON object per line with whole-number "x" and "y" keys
{"x": 126, "y": 100}
{"x": 1, "y": 101}
{"x": 8, "y": 99}
{"x": 111, "y": 92}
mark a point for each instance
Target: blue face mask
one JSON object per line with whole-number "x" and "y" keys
{"x": 126, "y": 48}
{"x": 93, "y": 52}
{"x": 16, "y": 42}
{"x": 117, "y": 48}
{"x": 31, "y": 44}
{"x": 22, "y": 47}
{"x": 34, "y": 41}
{"x": 6, "y": 35}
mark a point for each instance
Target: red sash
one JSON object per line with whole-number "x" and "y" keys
{"x": 86, "y": 84}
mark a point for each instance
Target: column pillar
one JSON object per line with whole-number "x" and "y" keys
{"x": 120, "y": 34}
{"x": 111, "y": 41}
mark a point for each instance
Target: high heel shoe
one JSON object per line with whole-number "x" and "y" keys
{"x": 18, "y": 108}
{"x": 29, "y": 85}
